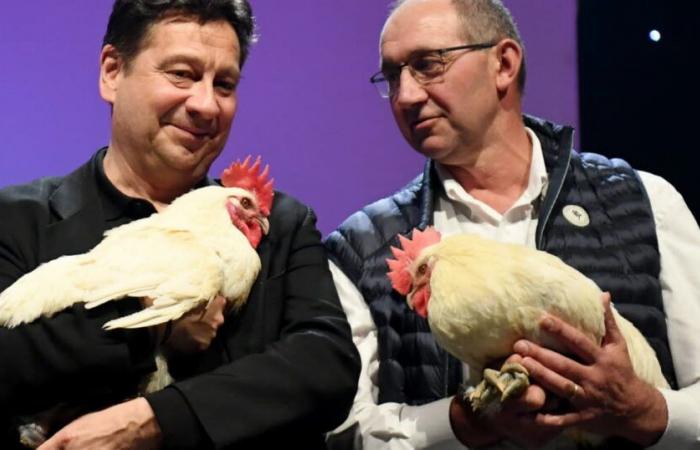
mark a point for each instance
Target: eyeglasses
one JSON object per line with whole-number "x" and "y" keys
{"x": 425, "y": 67}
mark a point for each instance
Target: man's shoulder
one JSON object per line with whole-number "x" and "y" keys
{"x": 374, "y": 225}
{"x": 25, "y": 208}
{"x": 288, "y": 214}
{"x": 379, "y": 211}
{"x": 35, "y": 199}
{"x": 32, "y": 195}
{"x": 285, "y": 206}
{"x": 608, "y": 171}
{"x": 597, "y": 161}
{"x": 39, "y": 191}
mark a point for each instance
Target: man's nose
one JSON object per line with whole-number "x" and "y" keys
{"x": 203, "y": 101}
{"x": 409, "y": 91}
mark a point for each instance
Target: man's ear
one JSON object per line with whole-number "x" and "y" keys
{"x": 111, "y": 71}
{"x": 510, "y": 58}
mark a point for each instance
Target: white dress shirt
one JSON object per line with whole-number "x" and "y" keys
{"x": 397, "y": 426}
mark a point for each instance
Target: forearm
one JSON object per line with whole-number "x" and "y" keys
{"x": 69, "y": 356}
{"x": 679, "y": 247}
{"x": 177, "y": 422}
{"x": 305, "y": 381}
{"x": 683, "y": 428}
{"x": 646, "y": 423}
{"x": 293, "y": 367}
{"x": 389, "y": 425}
{"x": 394, "y": 426}
{"x": 127, "y": 425}
{"x": 469, "y": 429}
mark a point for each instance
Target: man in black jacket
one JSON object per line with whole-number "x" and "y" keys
{"x": 281, "y": 371}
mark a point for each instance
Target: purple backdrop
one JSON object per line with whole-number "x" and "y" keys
{"x": 305, "y": 102}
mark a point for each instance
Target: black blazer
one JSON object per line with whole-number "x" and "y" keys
{"x": 281, "y": 372}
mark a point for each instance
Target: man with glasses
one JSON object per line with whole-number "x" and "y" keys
{"x": 453, "y": 73}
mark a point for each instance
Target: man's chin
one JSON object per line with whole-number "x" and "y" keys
{"x": 188, "y": 161}
{"x": 194, "y": 152}
{"x": 430, "y": 147}
{"x": 194, "y": 148}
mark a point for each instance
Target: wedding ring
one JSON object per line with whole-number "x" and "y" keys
{"x": 574, "y": 391}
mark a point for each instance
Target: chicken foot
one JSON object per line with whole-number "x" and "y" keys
{"x": 509, "y": 382}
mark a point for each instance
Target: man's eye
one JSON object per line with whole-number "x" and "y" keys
{"x": 226, "y": 87}
{"x": 181, "y": 78}
{"x": 427, "y": 65}
{"x": 181, "y": 74}
{"x": 391, "y": 75}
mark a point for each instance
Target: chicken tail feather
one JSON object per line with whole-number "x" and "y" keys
{"x": 106, "y": 296}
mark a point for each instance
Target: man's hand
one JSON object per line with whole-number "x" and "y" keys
{"x": 608, "y": 398}
{"x": 196, "y": 330}
{"x": 129, "y": 425}
{"x": 516, "y": 421}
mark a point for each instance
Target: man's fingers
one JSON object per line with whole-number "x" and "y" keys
{"x": 514, "y": 358}
{"x": 553, "y": 361}
{"x": 565, "y": 420}
{"x": 552, "y": 381}
{"x": 612, "y": 331}
{"x": 214, "y": 312}
{"x": 54, "y": 443}
{"x": 533, "y": 399}
{"x": 572, "y": 338}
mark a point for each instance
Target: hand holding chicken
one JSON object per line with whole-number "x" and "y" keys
{"x": 481, "y": 296}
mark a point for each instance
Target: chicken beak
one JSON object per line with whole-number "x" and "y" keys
{"x": 409, "y": 300}
{"x": 418, "y": 300}
{"x": 264, "y": 224}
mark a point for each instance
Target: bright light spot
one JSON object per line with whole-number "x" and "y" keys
{"x": 654, "y": 35}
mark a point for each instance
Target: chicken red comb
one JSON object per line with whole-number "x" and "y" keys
{"x": 398, "y": 268}
{"x": 244, "y": 176}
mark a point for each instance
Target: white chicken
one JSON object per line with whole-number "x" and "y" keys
{"x": 201, "y": 245}
{"x": 480, "y": 296}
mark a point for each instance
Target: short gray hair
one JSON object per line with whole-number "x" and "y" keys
{"x": 485, "y": 21}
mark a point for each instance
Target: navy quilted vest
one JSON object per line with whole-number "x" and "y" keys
{"x": 618, "y": 250}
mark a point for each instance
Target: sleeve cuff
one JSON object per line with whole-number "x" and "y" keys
{"x": 432, "y": 422}
{"x": 179, "y": 426}
{"x": 683, "y": 422}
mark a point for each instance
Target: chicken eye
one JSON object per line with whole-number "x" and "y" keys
{"x": 246, "y": 203}
{"x": 422, "y": 269}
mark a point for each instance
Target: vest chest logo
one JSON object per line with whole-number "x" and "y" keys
{"x": 576, "y": 215}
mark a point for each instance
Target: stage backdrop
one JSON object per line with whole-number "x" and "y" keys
{"x": 305, "y": 102}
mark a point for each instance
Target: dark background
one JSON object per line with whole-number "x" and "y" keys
{"x": 639, "y": 98}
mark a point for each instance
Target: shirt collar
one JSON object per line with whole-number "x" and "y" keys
{"x": 116, "y": 205}
{"x": 537, "y": 183}
{"x": 536, "y": 186}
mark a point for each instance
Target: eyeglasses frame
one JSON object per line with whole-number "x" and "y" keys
{"x": 379, "y": 77}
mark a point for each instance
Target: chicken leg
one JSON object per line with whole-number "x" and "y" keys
{"x": 509, "y": 382}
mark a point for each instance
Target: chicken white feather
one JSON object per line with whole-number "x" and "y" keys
{"x": 181, "y": 258}
{"x": 480, "y": 296}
